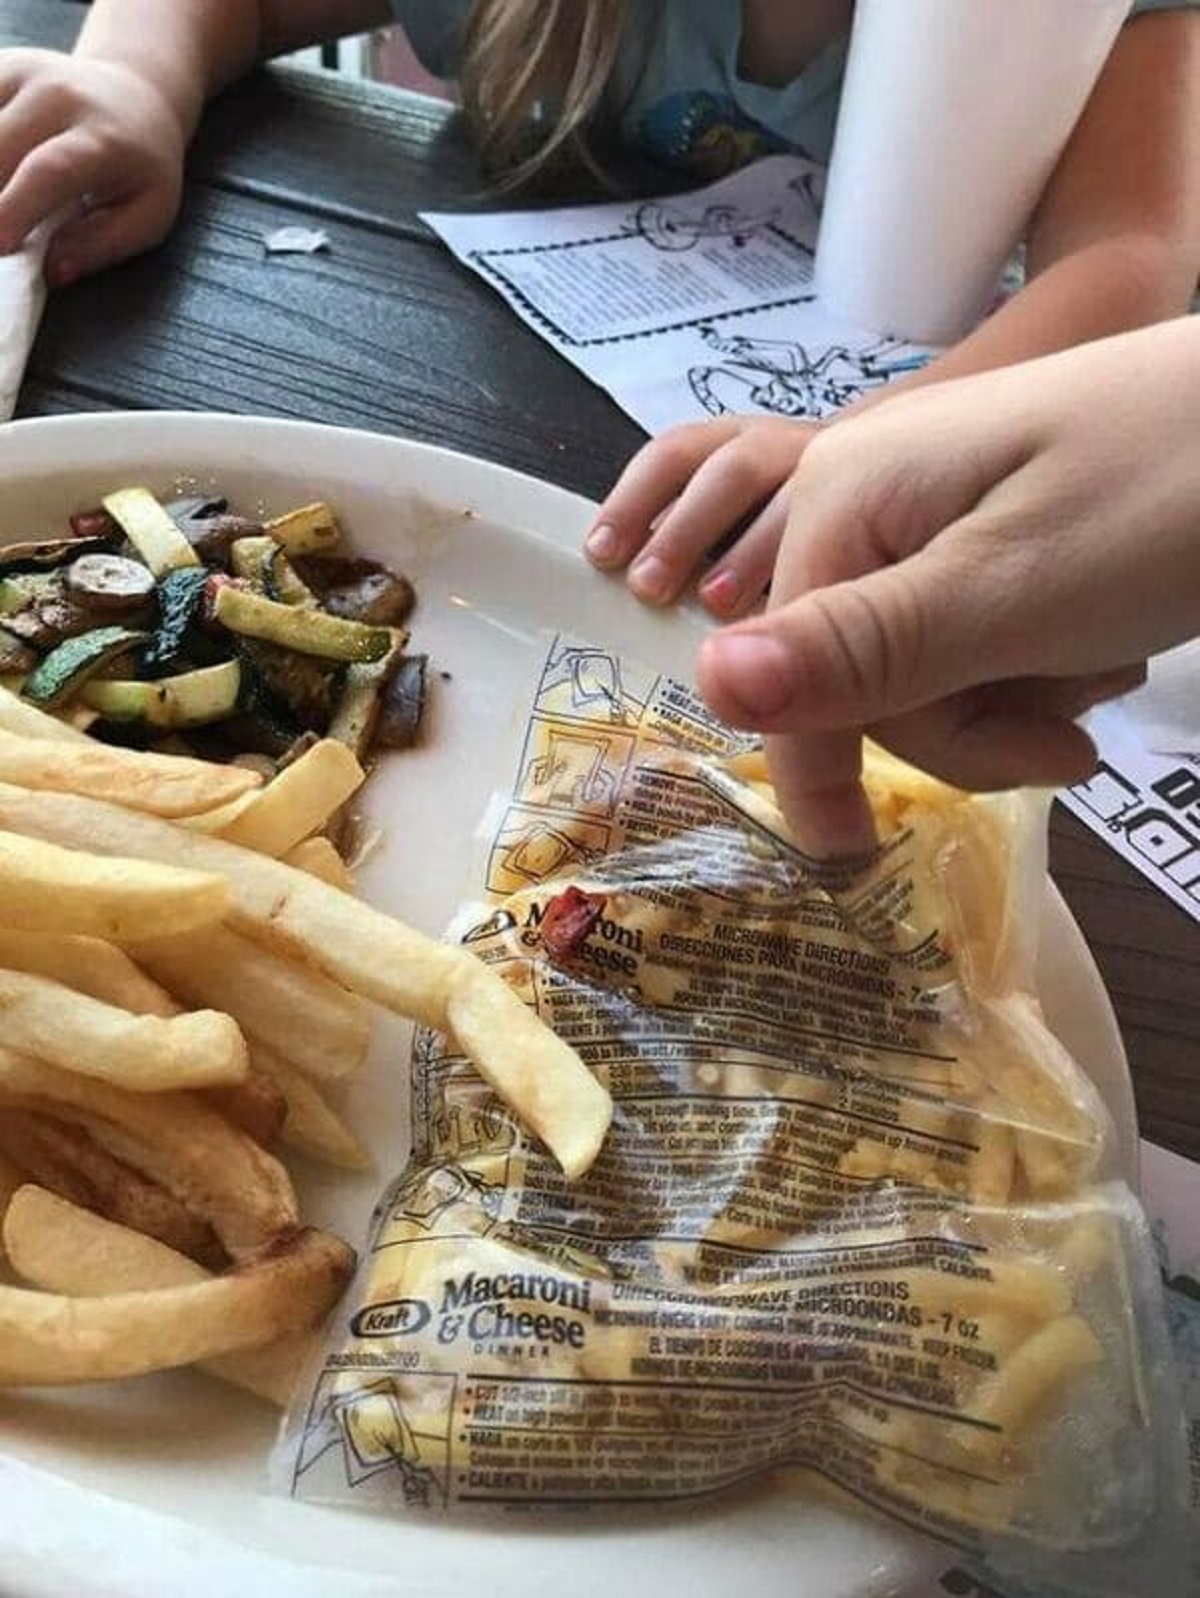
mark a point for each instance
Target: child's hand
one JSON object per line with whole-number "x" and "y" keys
{"x": 94, "y": 142}
{"x": 680, "y": 496}
{"x": 968, "y": 568}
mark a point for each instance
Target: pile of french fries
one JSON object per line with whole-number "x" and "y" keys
{"x": 184, "y": 975}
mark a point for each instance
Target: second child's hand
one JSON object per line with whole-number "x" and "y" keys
{"x": 967, "y": 569}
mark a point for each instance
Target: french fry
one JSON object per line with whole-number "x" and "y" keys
{"x": 320, "y": 859}
{"x": 17, "y": 715}
{"x": 255, "y": 1106}
{"x": 50, "y": 1339}
{"x": 436, "y": 984}
{"x": 524, "y": 1061}
{"x": 218, "y": 1172}
{"x": 64, "y": 1249}
{"x": 310, "y": 1125}
{"x": 215, "y": 821}
{"x": 10, "y": 1180}
{"x": 314, "y": 1022}
{"x": 89, "y": 965}
{"x": 298, "y": 802}
{"x": 68, "y": 1161}
{"x": 162, "y": 785}
{"x": 44, "y": 888}
{"x": 142, "y": 1053}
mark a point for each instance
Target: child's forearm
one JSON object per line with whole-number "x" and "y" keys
{"x": 192, "y": 48}
{"x": 1112, "y": 286}
{"x": 1115, "y": 243}
{"x": 188, "y": 49}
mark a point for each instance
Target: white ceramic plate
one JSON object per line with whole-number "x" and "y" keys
{"x": 154, "y": 1487}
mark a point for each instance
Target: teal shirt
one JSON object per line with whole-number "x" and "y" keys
{"x": 677, "y": 87}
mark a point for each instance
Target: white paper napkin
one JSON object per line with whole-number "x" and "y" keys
{"x": 22, "y": 295}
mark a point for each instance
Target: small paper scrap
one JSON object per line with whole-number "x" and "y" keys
{"x": 296, "y": 241}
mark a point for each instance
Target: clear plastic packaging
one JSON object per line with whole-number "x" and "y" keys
{"x": 853, "y": 1217}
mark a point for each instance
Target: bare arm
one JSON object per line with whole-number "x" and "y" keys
{"x": 193, "y": 48}
{"x": 1115, "y": 242}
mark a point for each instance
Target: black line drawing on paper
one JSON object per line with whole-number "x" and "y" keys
{"x": 670, "y": 227}
{"x": 780, "y": 377}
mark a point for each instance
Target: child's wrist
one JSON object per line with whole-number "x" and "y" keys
{"x": 179, "y": 98}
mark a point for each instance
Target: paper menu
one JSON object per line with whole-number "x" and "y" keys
{"x": 1144, "y": 803}
{"x": 687, "y": 307}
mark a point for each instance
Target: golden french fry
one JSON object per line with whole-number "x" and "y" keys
{"x": 19, "y": 716}
{"x": 45, "y": 888}
{"x": 68, "y": 1161}
{"x": 64, "y": 1249}
{"x": 215, "y": 821}
{"x": 320, "y": 859}
{"x": 142, "y": 1053}
{"x": 218, "y": 1172}
{"x": 255, "y": 1106}
{"x": 529, "y": 1067}
{"x": 89, "y": 965}
{"x": 314, "y": 1022}
{"x": 310, "y": 1125}
{"x": 162, "y": 785}
{"x": 369, "y": 953}
{"x": 10, "y": 1180}
{"x": 50, "y": 1339}
{"x": 298, "y": 802}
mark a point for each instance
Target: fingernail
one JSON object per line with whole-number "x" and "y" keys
{"x": 721, "y": 592}
{"x": 758, "y": 663}
{"x": 601, "y": 543}
{"x": 650, "y": 580}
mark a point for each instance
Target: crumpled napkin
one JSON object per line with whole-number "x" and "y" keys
{"x": 22, "y": 295}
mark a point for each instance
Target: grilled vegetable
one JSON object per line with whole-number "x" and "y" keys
{"x": 50, "y": 552}
{"x": 357, "y": 714}
{"x": 361, "y": 590}
{"x": 210, "y": 527}
{"x": 36, "y": 609}
{"x": 28, "y": 588}
{"x": 109, "y": 582}
{"x": 403, "y": 704}
{"x": 94, "y": 524}
{"x": 305, "y": 686}
{"x": 312, "y": 632}
{"x": 189, "y": 700}
{"x": 150, "y": 530}
{"x": 179, "y": 597}
{"x": 16, "y": 658}
{"x": 68, "y": 667}
{"x": 257, "y": 636}
{"x": 264, "y": 564}
{"x": 305, "y": 530}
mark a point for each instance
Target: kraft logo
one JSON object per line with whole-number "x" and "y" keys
{"x": 396, "y": 1317}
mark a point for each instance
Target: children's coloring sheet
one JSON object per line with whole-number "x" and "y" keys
{"x": 694, "y": 306}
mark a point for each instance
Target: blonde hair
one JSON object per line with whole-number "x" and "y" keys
{"x": 533, "y": 81}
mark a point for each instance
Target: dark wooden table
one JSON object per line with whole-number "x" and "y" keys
{"x": 388, "y": 332}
